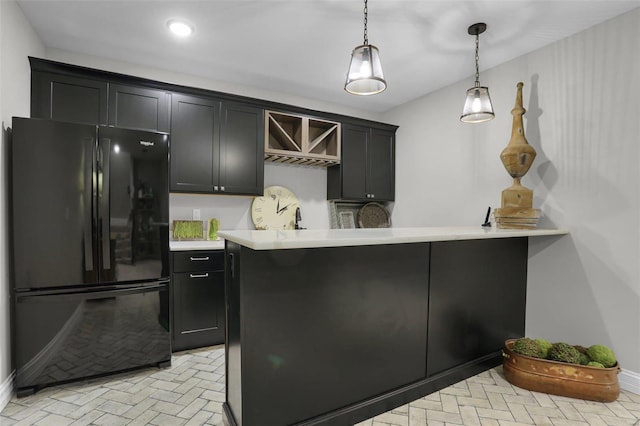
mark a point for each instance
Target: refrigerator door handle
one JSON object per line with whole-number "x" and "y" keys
{"x": 105, "y": 151}
{"x": 90, "y": 295}
{"x": 88, "y": 205}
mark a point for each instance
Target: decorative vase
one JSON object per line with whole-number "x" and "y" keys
{"x": 560, "y": 378}
{"x": 517, "y": 201}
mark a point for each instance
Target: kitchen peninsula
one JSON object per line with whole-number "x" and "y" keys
{"x": 337, "y": 326}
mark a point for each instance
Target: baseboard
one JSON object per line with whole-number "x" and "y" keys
{"x": 6, "y": 390}
{"x": 629, "y": 381}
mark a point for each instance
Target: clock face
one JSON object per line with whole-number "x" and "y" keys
{"x": 276, "y": 209}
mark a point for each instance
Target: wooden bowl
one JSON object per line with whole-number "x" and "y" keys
{"x": 560, "y": 378}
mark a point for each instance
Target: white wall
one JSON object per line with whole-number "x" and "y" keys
{"x": 309, "y": 184}
{"x": 17, "y": 41}
{"x": 581, "y": 98}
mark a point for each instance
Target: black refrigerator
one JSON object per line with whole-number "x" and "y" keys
{"x": 90, "y": 249}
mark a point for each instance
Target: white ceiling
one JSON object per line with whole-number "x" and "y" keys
{"x": 303, "y": 47}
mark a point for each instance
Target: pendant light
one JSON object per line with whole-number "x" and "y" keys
{"x": 477, "y": 106}
{"x": 365, "y": 72}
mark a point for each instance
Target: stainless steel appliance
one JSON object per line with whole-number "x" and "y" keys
{"x": 90, "y": 213}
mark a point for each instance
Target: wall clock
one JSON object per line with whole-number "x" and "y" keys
{"x": 276, "y": 209}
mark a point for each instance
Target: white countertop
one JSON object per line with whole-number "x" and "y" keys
{"x": 275, "y": 240}
{"x": 196, "y": 245}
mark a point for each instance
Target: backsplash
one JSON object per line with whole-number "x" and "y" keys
{"x": 309, "y": 184}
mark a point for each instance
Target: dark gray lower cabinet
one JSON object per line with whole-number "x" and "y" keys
{"x": 323, "y": 328}
{"x": 198, "y": 299}
{"x": 477, "y": 294}
{"x": 340, "y": 334}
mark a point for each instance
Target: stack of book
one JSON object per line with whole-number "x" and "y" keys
{"x": 516, "y": 218}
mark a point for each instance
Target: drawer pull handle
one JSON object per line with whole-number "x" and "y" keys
{"x": 193, "y": 259}
{"x": 205, "y": 275}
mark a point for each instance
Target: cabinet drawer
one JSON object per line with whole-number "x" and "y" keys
{"x": 194, "y": 261}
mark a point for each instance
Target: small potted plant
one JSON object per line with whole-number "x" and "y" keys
{"x": 561, "y": 369}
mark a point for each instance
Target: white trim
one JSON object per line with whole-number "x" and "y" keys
{"x": 629, "y": 381}
{"x": 6, "y": 390}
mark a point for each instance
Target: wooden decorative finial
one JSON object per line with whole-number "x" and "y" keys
{"x": 517, "y": 157}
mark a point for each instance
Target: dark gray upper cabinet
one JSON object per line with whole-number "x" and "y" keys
{"x": 195, "y": 126}
{"x": 138, "y": 108}
{"x": 353, "y": 163}
{"x": 68, "y": 98}
{"x": 217, "y": 139}
{"x": 381, "y": 165}
{"x": 241, "y": 149}
{"x": 367, "y": 166}
{"x": 216, "y": 146}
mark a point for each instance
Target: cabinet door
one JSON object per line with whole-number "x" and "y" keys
{"x": 198, "y": 309}
{"x": 242, "y": 149}
{"x": 381, "y": 165}
{"x": 138, "y": 108}
{"x": 354, "y": 162}
{"x": 64, "y": 98}
{"x": 477, "y": 292}
{"x": 195, "y": 126}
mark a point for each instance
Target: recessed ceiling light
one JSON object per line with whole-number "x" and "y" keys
{"x": 180, "y": 28}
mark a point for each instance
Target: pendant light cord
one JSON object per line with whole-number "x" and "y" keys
{"x": 477, "y": 59}
{"x": 366, "y": 11}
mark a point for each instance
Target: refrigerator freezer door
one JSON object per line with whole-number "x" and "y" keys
{"x": 63, "y": 336}
{"x": 133, "y": 205}
{"x": 53, "y": 207}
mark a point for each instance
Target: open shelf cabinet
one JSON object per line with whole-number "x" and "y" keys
{"x": 298, "y": 139}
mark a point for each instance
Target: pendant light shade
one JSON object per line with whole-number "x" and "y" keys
{"x": 365, "y": 75}
{"x": 477, "y": 107}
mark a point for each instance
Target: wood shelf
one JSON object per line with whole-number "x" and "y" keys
{"x": 284, "y": 132}
{"x": 302, "y": 140}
